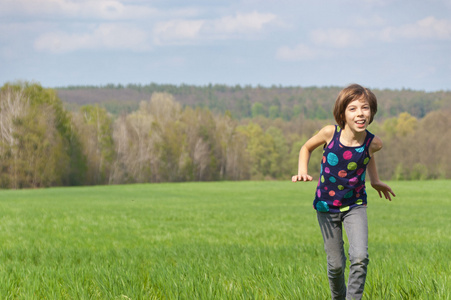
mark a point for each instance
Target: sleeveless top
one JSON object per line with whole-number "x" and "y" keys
{"x": 341, "y": 186}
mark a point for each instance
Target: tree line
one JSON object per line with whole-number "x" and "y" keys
{"x": 244, "y": 102}
{"x": 43, "y": 144}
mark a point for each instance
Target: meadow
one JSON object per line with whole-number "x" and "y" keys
{"x": 214, "y": 240}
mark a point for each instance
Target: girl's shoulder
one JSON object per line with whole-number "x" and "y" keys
{"x": 329, "y": 130}
{"x": 327, "y": 133}
{"x": 376, "y": 145}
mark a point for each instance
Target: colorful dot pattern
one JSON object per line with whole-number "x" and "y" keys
{"x": 342, "y": 180}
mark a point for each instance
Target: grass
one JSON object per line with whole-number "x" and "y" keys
{"x": 222, "y": 240}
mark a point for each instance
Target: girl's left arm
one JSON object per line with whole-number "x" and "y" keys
{"x": 376, "y": 183}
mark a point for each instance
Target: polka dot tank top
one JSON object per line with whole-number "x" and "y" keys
{"x": 342, "y": 180}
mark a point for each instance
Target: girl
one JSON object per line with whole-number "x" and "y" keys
{"x": 340, "y": 198}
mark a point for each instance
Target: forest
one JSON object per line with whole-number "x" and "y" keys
{"x": 118, "y": 134}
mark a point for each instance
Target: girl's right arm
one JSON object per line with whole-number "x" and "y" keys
{"x": 324, "y": 136}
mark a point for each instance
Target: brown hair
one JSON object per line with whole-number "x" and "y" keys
{"x": 349, "y": 94}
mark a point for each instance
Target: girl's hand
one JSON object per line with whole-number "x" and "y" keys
{"x": 303, "y": 177}
{"x": 383, "y": 188}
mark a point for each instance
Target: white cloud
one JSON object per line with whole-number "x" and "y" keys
{"x": 298, "y": 53}
{"x": 177, "y": 31}
{"x": 188, "y": 31}
{"x": 369, "y": 21}
{"x": 428, "y": 28}
{"x": 101, "y": 9}
{"x": 106, "y": 36}
{"x": 322, "y": 42}
{"x": 321, "y": 45}
{"x": 335, "y": 38}
{"x": 374, "y": 3}
{"x": 242, "y": 23}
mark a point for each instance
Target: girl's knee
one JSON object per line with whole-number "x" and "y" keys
{"x": 336, "y": 271}
{"x": 336, "y": 268}
{"x": 360, "y": 258}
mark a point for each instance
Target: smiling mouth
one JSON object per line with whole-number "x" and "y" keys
{"x": 360, "y": 123}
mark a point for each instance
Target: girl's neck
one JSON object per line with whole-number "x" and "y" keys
{"x": 351, "y": 138}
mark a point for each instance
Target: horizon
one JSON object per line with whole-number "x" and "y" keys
{"x": 243, "y": 86}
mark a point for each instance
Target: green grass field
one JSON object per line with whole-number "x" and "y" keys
{"x": 221, "y": 240}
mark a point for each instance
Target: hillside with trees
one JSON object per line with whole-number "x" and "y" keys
{"x": 164, "y": 133}
{"x": 274, "y": 102}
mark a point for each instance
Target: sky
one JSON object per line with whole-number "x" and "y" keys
{"x": 384, "y": 44}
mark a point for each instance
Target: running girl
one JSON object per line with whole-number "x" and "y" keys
{"x": 340, "y": 198}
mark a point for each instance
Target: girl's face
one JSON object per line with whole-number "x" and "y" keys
{"x": 357, "y": 115}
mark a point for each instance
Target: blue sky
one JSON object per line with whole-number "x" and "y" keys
{"x": 378, "y": 43}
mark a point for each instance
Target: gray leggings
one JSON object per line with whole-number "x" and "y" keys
{"x": 356, "y": 226}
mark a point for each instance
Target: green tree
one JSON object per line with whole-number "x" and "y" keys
{"x": 94, "y": 127}
{"x": 258, "y": 110}
{"x": 280, "y": 155}
{"x": 274, "y": 112}
{"x": 406, "y": 124}
{"x": 38, "y": 144}
{"x": 261, "y": 150}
